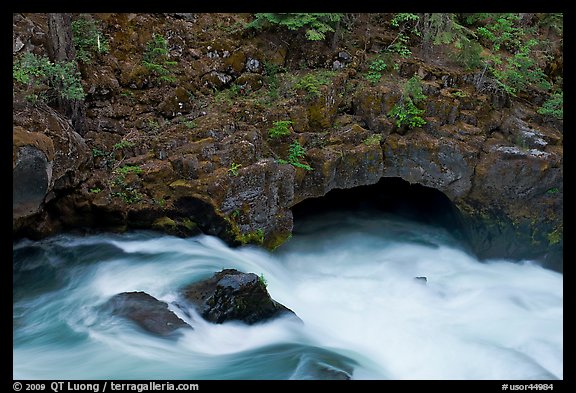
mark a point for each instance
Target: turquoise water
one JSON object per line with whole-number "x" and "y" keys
{"x": 350, "y": 279}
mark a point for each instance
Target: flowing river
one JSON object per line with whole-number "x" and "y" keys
{"x": 351, "y": 278}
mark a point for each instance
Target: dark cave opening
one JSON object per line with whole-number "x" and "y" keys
{"x": 391, "y": 195}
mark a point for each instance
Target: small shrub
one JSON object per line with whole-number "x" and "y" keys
{"x": 296, "y": 152}
{"x": 406, "y": 113}
{"x": 123, "y": 145}
{"x": 99, "y": 153}
{"x": 375, "y": 70}
{"x": 88, "y": 39}
{"x": 129, "y": 195}
{"x": 554, "y": 106}
{"x": 126, "y": 169}
{"x": 189, "y": 123}
{"x": 280, "y": 129}
{"x": 502, "y": 32}
{"x": 157, "y": 58}
{"x": 312, "y": 82}
{"x": 468, "y": 54}
{"x": 372, "y": 140}
{"x": 315, "y": 25}
{"x": 263, "y": 280}
{"x": 400, "y": 46}
{"x": 413, "y": 89}
{"x": 60, "y": 79}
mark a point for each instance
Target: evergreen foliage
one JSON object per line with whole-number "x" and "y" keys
{"x": 280, "y": 129}
{"x": 315, "y": 25}
{"x": 554, "y": 106}
{"x": 88, "y": 39}
{"x": 157, "y": 58}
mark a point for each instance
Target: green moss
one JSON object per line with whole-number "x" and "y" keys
{"x": 180, "y": 183}
{"x": 164, "y": 222}
{"x": 276, "y": 239}
{"x": 188, "y": 223}
{"x": 555, "y": 236}
{"x": 373, "y": 139}
{"x": 255, "y": 237}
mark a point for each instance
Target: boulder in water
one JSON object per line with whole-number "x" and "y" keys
{"x": 233, "y": 295}
{"x": 147, "y": 312}
{"x": 422, "y": 279}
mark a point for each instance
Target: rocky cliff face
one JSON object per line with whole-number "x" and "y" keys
{"x": 195, "y": 154}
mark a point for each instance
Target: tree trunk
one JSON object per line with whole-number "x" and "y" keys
{"x": 61, "y": 48}
{"x": 335, "y": 36}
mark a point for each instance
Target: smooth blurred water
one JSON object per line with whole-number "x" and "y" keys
{"x": 350, "y": 278}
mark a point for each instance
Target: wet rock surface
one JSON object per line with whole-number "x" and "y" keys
{"x": 231, "y": 295}
{"x": 146, "y": 311}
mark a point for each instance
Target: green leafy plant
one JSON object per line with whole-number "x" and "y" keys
{"x": 553, "y": 106}
{"x": 234, "y": 169}
{"x": 126, "y": 169}
{"x": 502, "y": 31}
{"x": 280, "y": 129}
{"x": 400, "y": 46}
{"x": 129, "y": 195}
{"x": 315, "y": 25}
{"x": 95, "y": 190}
{"x": 404, "y": 18}
{"x": 123, "y": 145}
{"x": 468, "y": 53}
{"x": 152, "y": 124}
{"x": 521, "y": 71}
{"x": 406, "y": 23}
{"x": 312, "y": 82}
{"x": 405, "y": 111}
{"x": 256, "y": 236}
{"x": 99, "y": 153}
{"x": 88, "y": 39}
{"x": 458, "y": 94}
{"x": 189, "y": 123}
{"x": 375, "y": 70}
{"x": 271, "y": 72}
{"x": 60, "y": 79}
{"x": 263, "y": 280}
{"x": 413, "y": 89}
{"x": 295, "y": 153}
{"x": 157, "y": 58}
{"x": 372, "y": 140}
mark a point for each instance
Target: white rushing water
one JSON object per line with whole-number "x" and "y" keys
{"x": 350, "y": 279}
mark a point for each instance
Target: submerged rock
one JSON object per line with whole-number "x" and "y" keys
{"x": 233, "y": 295}
{"x": 147, "y": 312}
